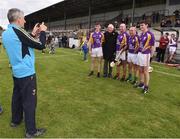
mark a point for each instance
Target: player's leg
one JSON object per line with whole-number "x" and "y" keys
{"x": 141, "y": 80}
{"x": 136, "y": 73}
{"x": 117, "y": 76}
{"x": 146, "y": 73}
{"x": 92, "y": 66}
{"x": 135, "y": 68}
{"x": 130, "y": 66}
{"x": 146, "y": 79}
{"x": 124, "y": 66}
{"x": 99, "y": 61}
{"x": 141, "y": 70}
{"x": 93, "y": 60}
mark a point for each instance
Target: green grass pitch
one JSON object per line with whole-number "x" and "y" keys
{"x": 70, "y": 104}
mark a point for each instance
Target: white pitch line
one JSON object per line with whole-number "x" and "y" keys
{"x": 166, "y": 73}
{"x": 54, "y": 56}
{"x": 41, "y": 57}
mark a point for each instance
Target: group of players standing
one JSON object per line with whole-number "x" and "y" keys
{"x": 122, "y": 49}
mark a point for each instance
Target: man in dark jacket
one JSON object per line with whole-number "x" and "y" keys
{"x": 109, "y": 49}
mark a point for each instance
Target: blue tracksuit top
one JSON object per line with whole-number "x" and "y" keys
{"x": 20, "y": 47}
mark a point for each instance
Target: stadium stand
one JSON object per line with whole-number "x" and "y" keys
{"x": 74, "y": 15}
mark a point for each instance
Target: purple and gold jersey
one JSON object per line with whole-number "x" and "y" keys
{"x": 96, "y": 39}
{"x": 133, "y": 43}
{"x": 122, "y": 41}
{"x": 147, "y": 40}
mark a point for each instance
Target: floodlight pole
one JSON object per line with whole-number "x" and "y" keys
{"x": 133, "y": 10}
{"x": 64, "y": 20}
{"x": 65, "y": 16}
{"x": 89, "y": 21}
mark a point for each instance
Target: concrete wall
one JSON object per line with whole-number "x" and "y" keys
{"x": 171, "y": 8}
{"x": 84, "y": 20}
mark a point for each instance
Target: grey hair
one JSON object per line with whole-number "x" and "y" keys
{"x": 14, "y": 14}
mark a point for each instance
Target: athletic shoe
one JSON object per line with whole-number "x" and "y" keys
{"x": 134, "y": 82}
{"x": 129, "y": 79}
{"x": 105, "y": 76}
{"x": 91, "y": 73}
{"x": 140, "y": 85}
{"x": 14, "y": 125}
{"x": 145, "y": 90}
{"x": 38, "y": 133}
{"x": 98, "y": 74}
{"x": 1, "y": 110}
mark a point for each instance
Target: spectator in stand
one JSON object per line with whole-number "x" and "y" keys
{"x": 144, "y": 17}
{"x": 168, "y": 22}
{"x": 176, "y": 12}
{"x": 164, "y": 41}
{"x": 123, "y": 20}
{"x": 177, "y": 24}
{"x": 127, "y": 20}
{"x": 138, "y": 25}
{"x": 64, "y": 41}
{"x": 59, "y": 41}
{"x": 157, "y": 17}
{"x": 163, "y": 23}
{"x": 153, "y": 17}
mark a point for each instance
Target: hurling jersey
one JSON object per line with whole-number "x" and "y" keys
{"x": 96, "y": 39}
{"x": 147, "y": 40}
{"x": 122, "y": 41}
{"x": 133, "y": 43}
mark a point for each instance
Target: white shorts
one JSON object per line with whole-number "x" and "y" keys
{"x": 143, "y": 60}
{"x": 121, "y": 56}
{"x": 97, "y": 52}
{"x": 172, "y": 50}
{"x": 132, "y": 58}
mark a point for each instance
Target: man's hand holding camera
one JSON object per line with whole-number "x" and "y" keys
{"x": 38, "y": 28}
